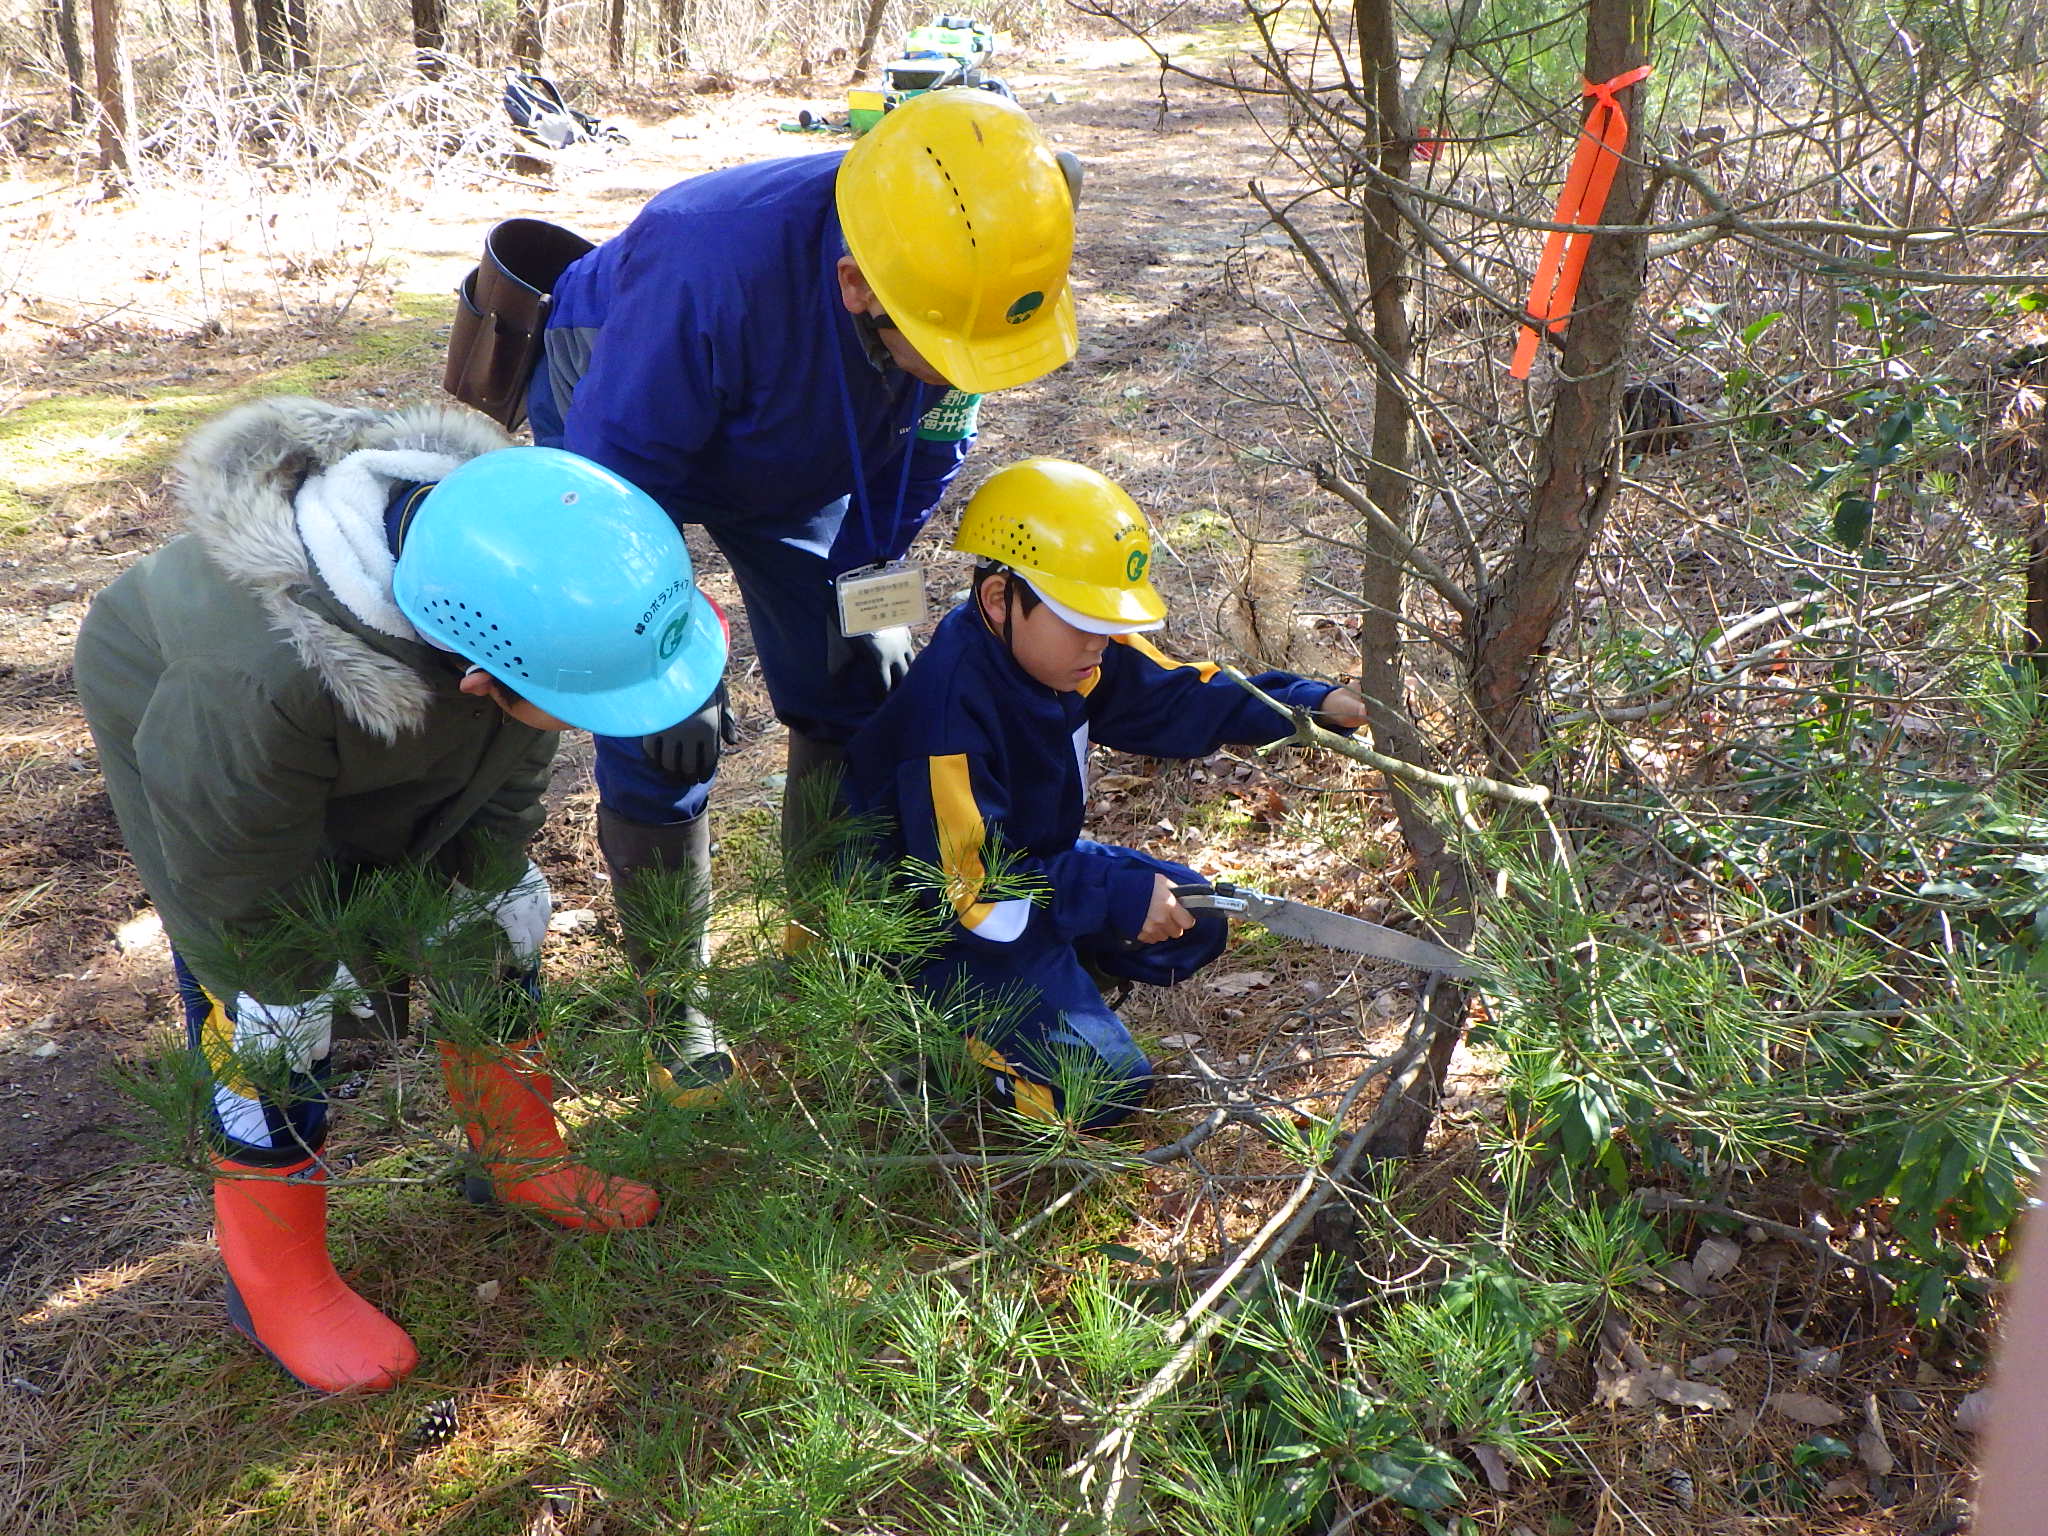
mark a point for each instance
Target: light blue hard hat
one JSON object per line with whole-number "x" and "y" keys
{"x": 566, "y": 582}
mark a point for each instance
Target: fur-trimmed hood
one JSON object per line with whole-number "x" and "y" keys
{"x": 236, "y": 481}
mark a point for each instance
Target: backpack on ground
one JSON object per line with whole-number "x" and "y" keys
{"x": 535, "y": 105}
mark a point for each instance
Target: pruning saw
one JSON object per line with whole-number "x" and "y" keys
{"x": 1332, "y": 930}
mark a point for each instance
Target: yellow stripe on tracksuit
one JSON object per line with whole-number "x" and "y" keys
{"x": 961, "y": 835}
{"x": 1034, "y": 1101}
{"x": 217, "y": 1043}
{"x": 1205, "y": 670}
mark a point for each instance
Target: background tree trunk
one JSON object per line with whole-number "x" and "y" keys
{"x": 2036, "y": 612}
{"x": 63, "y": 18}
{"x": 430, "y": 35}
{"x": 273, "y": 35}
{"x": 298, "y": 36}
{"x": 529, "y": 33}
{"x": 615, "y": 36}
{"x": 673, "y": 50}
{"x": 113, "y": 84}
{"x": 870, "y": 33}
{"x": 245, "y": 47}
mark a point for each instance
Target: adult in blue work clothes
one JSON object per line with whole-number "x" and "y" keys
{"x": 789, "y": 354}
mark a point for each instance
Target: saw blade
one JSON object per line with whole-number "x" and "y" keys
{"x": 1333, "y": 930}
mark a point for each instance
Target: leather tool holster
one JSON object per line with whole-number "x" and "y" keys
{"x": 501, "y": 311}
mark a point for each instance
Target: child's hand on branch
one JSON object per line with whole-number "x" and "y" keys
{"x": 1166, "y": 918}
{"x": 1342, "y": 709}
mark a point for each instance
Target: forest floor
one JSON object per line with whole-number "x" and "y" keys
{"x": 128, "y": 320}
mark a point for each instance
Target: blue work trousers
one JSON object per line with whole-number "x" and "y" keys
{"x": 785, "y": 582}
{"x": 1038, "y": 1019}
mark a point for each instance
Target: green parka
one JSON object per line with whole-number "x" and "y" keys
{"x": 257, "y": 737}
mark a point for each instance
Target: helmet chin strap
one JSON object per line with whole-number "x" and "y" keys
{"x": 871, "y": 328}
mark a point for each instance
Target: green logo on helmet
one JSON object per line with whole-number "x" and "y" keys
{"x": 1135, "y": 566}
{"x": 1024, "y": 308}
{"x": 672, "y": 637}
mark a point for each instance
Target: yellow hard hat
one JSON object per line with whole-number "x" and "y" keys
{"x": 957, "y": 213}
{"x": 1075, "y": 536}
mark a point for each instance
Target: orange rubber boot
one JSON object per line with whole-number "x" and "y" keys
{"x": 283, "y": 1291}
{"x": 507, "y": 1108}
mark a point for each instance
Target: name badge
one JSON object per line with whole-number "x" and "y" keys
{"x": 880, "y": 597}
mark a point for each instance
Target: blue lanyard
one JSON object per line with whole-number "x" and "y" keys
{"x": 873, "y": 546}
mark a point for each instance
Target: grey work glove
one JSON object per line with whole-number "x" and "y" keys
{"x": 689, "y": 750}
{"x": 885, "y": 654}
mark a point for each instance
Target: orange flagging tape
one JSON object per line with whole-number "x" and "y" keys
{"x": 1582, "y": 201}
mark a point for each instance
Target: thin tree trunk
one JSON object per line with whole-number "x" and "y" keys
{"x": 870, "y": 33}
{"x": 1578, "y": 465}
{"x": 245, "y": 46}
{"x": 2036, "y": 618}
{"x": 63, "y": 16}
{"x": 113, "y": 84}
{"x": 1388, "y": 253}
{"x": 430, "y": 36}
{"x": 529, "y": 33}
{"x": 615, "y": 36}
{"x": 674, "y": 49}
{"x": 298, "y": 36}
{"x": 273, "y": 36}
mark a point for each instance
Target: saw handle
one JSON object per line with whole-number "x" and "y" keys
{"x": 1220, "y": 897}
{"x": 1201, "y": 896}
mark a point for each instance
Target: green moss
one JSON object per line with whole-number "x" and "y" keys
{"x": 1204, "y": 528}
{"x": 60, "y": 455}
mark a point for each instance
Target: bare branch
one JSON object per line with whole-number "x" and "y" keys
{"x": 1309, "y": 733}
{"x": 1438, "y": 579}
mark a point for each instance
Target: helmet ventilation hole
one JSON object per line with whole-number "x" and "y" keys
{"x": 481, "y": 636}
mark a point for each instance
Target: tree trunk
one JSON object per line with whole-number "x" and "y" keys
{"x": 1388, "y": 249}
{"x": 2036, "y": 616}
{"x": 430, "y": 36}
{"x": 1577, "y": 465}
{"x": 245, "y": 47}
{"x": 63, "y": 16}
{"x": 674, "y": 48}
{"x": 870, "y": 33}
{"x": 529, "y": 33}
{"x": 113, "y": 84}
{"x": 273, "y": 35}
{"x": 615, "y": 36}
{"x": 298, "y": 36}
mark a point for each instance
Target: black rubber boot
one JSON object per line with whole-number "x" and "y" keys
{"x": 813, "y": 797}
{"x": 689, "y": 1063}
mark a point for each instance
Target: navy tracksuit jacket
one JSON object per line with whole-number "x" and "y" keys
{"x": 971, "y": 764}
{"x": 704, "y": 354}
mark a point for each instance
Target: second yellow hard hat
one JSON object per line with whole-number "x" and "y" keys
{"x": 958, "y": 215}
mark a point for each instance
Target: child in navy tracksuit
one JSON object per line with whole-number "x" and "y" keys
{"x": 976, "y": 765}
